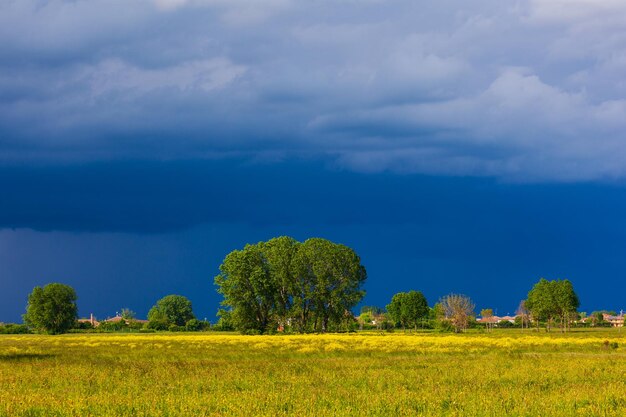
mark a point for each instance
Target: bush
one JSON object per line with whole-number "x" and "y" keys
{"x": 195, "y": 325}
{"x": 146, "y": 330}
{"x": 473, "y": 324}
{"x": 444, "y": 326}
{"x": 83, "y": 325}
{"x": 505, "y": 324}
{"x": 112, "y": 326}
{"x": 12, "y": 328}
{"x": 175, "y": 328}
{"x": 157, "y": 325}
{"x": 223, "y": 325}
{"x": 134, "y": 325}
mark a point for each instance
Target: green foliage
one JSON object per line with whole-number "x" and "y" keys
{"x": 112, "y": 326}
{"x": 365, "y": 321}
{"x": 171, "y": 309}
{"x": 128, "y": 314}
{"x": 134, "y": 325}
{"x": 408, "y": 308}
{"x": 52, "y": 309}
{"x": 157, "y": 320}
{"x": 224, "y": 323}
{"x": 284, "y": 284}
{"x": 505, "y": 324}
{"x": 437, "y": 312}
{"x": 12, "y": 328}
{"x": 195, "y": 325}
{"x": 373, "y": 310}
{"x": 176, "y": 328}
{"x": 83, "y": 325}
{"x": 443, "y": 325}
{"x": 157, "y": 325}
{"x": 552, "y": 300}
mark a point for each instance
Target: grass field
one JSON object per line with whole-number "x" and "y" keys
{"x": 503, "y": 373}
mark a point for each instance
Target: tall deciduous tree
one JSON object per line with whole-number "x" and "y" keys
{"x": 52, "y": 309}
{"x": 279, "y": 253}
{"x": 337, "y": 275}
{"x": 458, "y": 310}
{"x": 248, "y": 288}
{"x": 282, "y": 282}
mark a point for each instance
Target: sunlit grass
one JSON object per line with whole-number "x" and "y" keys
{"x": 504, "y": 373}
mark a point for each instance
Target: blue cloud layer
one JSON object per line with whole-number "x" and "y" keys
{"x": 125, "y": 234}
{"x": 528, "y": 91}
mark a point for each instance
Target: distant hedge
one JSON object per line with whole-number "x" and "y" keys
{"x": 12, "y": 328}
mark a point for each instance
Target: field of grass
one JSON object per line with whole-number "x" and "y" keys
{"x": 506, "y": 373}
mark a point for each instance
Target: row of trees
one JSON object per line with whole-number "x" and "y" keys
{"x": 283, "y": 284}
{"x": 286, "y": 284}
{"x": 52, "y": 309}
{"x": 410, "y": 310}
{"x": 548, "y": 302}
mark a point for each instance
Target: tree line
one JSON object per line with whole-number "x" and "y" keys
{"x": 52, "y": 309}
{"x": 549, "y": 303}
{"x": 310, "y": 286}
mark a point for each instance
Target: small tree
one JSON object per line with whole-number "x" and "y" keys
{"x": 458, "y": 309}
{"x": 487, "y": 314}
{"x": 127, "y": 314}
{"x": 52, "y": 309}
{"x": 365, "y": 320}
{"x": 523, "y": 314}
{"x": 174, "y": 309}
{"x": 408, "y": 308}
{"x": 552, "y": 300}
{"x": 195, "y": 325}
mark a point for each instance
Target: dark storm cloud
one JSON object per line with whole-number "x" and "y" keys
{"x": 368, "y": 85}
{"x": 157, "y": 197}
{"x": 127, "y": 233}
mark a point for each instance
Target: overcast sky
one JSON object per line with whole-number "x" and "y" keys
{"x": 457, "y": 146}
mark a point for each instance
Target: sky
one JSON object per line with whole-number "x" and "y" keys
{"x": 469, "y": 147}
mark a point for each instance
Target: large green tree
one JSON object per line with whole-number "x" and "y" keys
{"x": 171, "y": 309}
{"x": 250, "y": 292}
{"x": 51, "y": 309}
{"x": 333, "y": 276}
{"x": 280, "y": 283}
{"x": 408, "y": 308}
{"x": 279, "y": 254}
{"x": 552, "y": 301}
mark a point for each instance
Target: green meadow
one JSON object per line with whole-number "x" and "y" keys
{"x": 504, "y": 373}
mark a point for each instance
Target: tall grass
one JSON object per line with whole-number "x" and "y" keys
{"x": 504, "y": 373}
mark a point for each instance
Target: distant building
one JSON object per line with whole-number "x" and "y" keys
{"x": 95, "y": 323}
{"x": 496, "y": 319}
{"x": 616, "y": 321}
{"x": 91, "y": 320}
